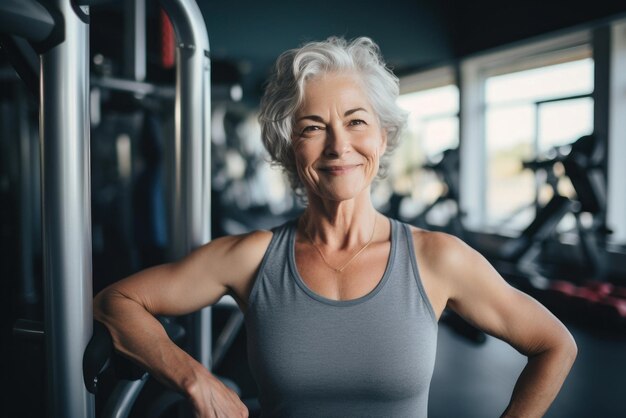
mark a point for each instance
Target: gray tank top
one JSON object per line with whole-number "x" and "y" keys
{"x": 316, "y": 357}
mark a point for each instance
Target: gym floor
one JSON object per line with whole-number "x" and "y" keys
{"x": 476, "y": 381}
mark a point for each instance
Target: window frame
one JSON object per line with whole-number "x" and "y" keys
{"x": 429, "y": 79}
{"x": 616, "y": 170}
{"x": 474, "y": 72}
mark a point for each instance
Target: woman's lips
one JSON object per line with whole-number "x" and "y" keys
{"x": 339, "y": 169}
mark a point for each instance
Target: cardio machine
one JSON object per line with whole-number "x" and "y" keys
{"x": 581, "y": 162}
{"x": 446, "y": 168}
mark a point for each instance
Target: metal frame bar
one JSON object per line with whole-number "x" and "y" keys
{"x": 137, "y": 87}
{"x": 29, "y": 195}
{"x": 190, "y": 210}
{"x": 123, "y": 397}
{"x": 66, "y": 191}
{"x": 135, "y": 39}
{"x": 616, "y": 198}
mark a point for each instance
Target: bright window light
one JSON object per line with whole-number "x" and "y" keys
{"x": 560, "y": 80}
{"x": 432, "y": 127}
{"x": 526, "y": 114}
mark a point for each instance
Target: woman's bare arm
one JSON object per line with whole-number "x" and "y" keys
{"x": 128, "y": 307}
{"x": 474, "y": 290}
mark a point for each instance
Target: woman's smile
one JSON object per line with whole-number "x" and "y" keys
{"x": 339, "y": 170}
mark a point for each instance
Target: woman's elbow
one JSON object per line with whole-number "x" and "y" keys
{"x": 105, "y": 303}
{"x": 563, "y": 347}
{"x": 570, "y": 347}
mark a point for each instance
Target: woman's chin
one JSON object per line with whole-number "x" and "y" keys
{"x": 341, "y": 194}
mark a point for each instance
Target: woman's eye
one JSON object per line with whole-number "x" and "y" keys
{"x": 356, "y": 122}
{"x": 311, "y": 128}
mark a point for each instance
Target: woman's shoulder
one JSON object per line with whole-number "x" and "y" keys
{"x": 439, "y": 250}
{"x": 255, "y": 241}
{"x": 443, "y": 260}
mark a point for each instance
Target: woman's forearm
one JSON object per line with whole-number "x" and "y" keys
{"x": 540, "y": 382}
{"x": 139, "y": 336}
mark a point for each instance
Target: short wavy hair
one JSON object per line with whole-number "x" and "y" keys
{"x": 284, "y": 94}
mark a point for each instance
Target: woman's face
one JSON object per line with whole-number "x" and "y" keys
{"x": 337, "y": 139}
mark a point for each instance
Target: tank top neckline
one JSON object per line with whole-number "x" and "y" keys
{"x": 348, "y": 302}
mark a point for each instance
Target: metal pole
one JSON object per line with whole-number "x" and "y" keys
{"x": 64, "y": 121}
{"x": 28, "y": 289}
{"x": 190, "y": 195}
{"x": 135, "y": 39}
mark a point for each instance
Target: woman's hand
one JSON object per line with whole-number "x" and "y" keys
{"x": 211, "y": 398}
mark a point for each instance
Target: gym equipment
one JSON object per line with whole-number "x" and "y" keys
{"x": 100, "y": 356}
{"x": 64, "y": 109}
{"x": 128, "y": 200}
{"x": 582, "y": 163}
{"x": 599, "y": 306}
{"x": 446, "y": 167}
{"x": 587, "y": 297}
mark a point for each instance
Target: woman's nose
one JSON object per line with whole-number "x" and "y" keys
{"x": 337, "y": 143}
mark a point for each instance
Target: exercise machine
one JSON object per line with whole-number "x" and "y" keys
{"x": 581, "y": 162}
{"x": 58, "y": 34}
{"x": 446, "y": 168}
{"x": 583, "y": 294}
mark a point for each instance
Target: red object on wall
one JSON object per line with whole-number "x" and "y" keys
{"x": 168, "y": 49}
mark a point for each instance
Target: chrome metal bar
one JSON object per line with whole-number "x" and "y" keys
{"x": 27, "y": 329}
{"x": 66, "y": 189}
{"x": 122, "y": 399}
{"x": 190, "y": 188}
{"x": 227, "y": 336}
{"x": 28, "y": 175}
{"x": 131, "y": 86}
{"x": 135, "y": 39}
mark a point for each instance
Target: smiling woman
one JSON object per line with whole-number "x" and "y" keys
{"x": 358, "y": 65}
{"x": 337, "y": 140}
{"x": 342, "y": 304}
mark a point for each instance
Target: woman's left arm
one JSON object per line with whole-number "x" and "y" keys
{"x": 480, "y": 295}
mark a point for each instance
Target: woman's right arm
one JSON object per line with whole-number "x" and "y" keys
{"x": 128, "y": 308}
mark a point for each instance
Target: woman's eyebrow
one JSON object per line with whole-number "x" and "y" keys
{"x": 312, "y": 117}
{"x": 356, "y": 109}
{"x": 317, "y": 118}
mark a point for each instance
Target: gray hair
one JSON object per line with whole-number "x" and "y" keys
{"x": 284, "y": 94}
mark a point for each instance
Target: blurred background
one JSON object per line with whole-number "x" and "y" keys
{"x": 516, "y": 143}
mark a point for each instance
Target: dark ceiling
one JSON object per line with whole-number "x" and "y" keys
{"x": 410, "y": 33}
{"x": 247, "y": 36}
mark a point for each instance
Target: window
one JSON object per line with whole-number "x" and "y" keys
{"x": 526, "y": 114}
{"x": 616, "y": 218}
{"x": 518, "y": 104}
{"x": 432, "y": 101}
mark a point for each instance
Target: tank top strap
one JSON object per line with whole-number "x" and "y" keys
{"x": 406, "y": 251}
{"x": 273, "y": 261}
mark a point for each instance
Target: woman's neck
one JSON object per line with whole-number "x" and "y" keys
{"x": 339, "y": 225}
